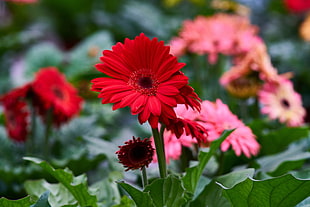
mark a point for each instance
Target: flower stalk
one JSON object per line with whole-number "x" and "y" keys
{"x": 160, "y": 151}
{"x": 144, "y": 178}
{"x": 48, "y": 128}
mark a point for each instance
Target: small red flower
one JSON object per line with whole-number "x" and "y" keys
{"x": 51, "y": 91}
{"x": 16, "y": 113}
{"x": 145, "y": 77}
{"x": 136, "y": 153}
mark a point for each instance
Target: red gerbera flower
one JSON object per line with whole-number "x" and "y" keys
{"x": 16, "y": 113}
{"x": 52, "y": 92}
{"x": 145, "y": 77}
{"x": 136, "y": 153}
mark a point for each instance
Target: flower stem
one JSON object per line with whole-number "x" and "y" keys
{"x": 144, "y": 178}
{"x": 160, "y": 151}
{"x": 31, "y": 136}
{"x": 48, "y": 127}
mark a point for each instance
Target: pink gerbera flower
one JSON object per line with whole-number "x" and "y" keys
{"x": 280, "y": 101}
{"x": 221, "y": 33}
{"x": 216, "y": 117}
{"x": 146, "y": 77}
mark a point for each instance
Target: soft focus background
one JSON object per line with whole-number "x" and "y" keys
{"x": 71, "y": 35}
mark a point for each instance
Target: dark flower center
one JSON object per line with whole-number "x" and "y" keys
{"x": 139, "y": 153}
{"x": 58, "y": 93}
{"x": 145, "y": 82}
{"x": 285, "y": 103}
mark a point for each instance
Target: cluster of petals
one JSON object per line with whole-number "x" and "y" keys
{"x": 216, "y": 117}
{"x": 255, "y": 60}
{"x": 136, "y": 153}
{"x": 227, "y": 34}
{"x": 280, "y": 101}
{"x": 254, "y": 75}
{"x": 53, "y": 92}
{"x": 249, "y": 71}
{"x": 49, "y": 91}
{"x": 143, "y": 75}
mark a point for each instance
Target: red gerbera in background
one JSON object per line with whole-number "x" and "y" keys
{"x": 51, "y": 91}
{"x": 297, "y": 6}
{"x": 145, "y": 77}
{"x": 16, "y": 113}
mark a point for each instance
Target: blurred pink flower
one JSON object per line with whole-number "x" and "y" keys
{"x": 251, "y": 69}
{"x": 173, "y": 144}
{"x": 280, "y": 101}
{"x": 216, "y": 117}
{"x": 227, "y": 34}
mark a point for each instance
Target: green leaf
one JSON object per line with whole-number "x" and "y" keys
{"x": 304, "y": 203}
{"x": 27, "y": 201}
{"x": 167, "y": 192}
{"x": 277, "y": 140}
{"x": 43, "y": 200}
{"x": 193, "y": 174}
{"x": 278, "y": 164}
{"x": 77, "y": 186}
{"x": 141, "y": 198}
{"x": 59, "y": 194}
{"x": 107, "y": 190}
{"x": 125, "y": 202}
{"x": 276, "y": 192}
{"x": 212, "y": 194}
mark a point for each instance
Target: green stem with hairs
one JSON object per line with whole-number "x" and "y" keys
{"x": 144, "y": 177}
{"x": 160, "y": 151}
{"x": 31, "y": 136}
{"x": 48, "y": 128}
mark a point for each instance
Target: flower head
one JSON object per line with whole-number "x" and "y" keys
{"x": 216, "y": 117}
{"x": 16, "y": 113}
{"x": 280, "y": 101}
{"x": 251, "y": 69}
{"x": 297, "y": 6}
{"x": 52, "y": 92}
{"x": 304, "y": 29}
{"x": 146, "y": 77}
{"x": 221, "y": 33}
{"x": 136, "y": 153}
